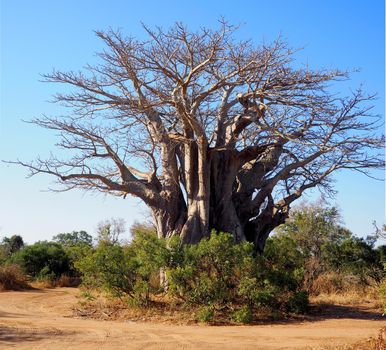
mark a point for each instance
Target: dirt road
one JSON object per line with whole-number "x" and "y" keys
{"x": 41, "y": 319}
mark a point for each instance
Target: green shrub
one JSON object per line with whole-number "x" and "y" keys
{"x": 354, "y": 256}
{"x": 45, "y": 274}
{"x": 298, "y": 303}
{"x": 108, "y": 267}
{"x": 243, "y": 315}
{"x": 9, "y": 246}
{"x": 216, "y": 272}
{"x": 209, "y": 272}
{"x": 125, "y": 270}
{"x": 256, "y": 294}
{"x": 205, "y": 314}
{"x": 43, "y": 259}
{"x": 312, "y": 243}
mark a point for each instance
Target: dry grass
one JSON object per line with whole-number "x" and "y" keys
{"x": 103, "y": 307}
{"x": 335, "y": 283}
{"x": 42, "y": 284}
{"x": 62, "y": 281}
{"x": 12, "y": 278}
{"x": 67, "y": 281}
{"x": 352, "y": 298}
{"x": 336, "y": 289}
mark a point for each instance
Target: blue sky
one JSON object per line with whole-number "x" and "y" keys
{"x": 39, "y": 35}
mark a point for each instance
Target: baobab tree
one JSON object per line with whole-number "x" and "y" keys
{"x": 209, "y": 132}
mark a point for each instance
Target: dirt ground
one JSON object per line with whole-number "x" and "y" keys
{"x": 42, "y": 319}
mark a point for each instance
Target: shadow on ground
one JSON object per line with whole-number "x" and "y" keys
{"x": 10, "y": 336}
{"x": 325, "y": 312}
{"x": 330, "y": 311}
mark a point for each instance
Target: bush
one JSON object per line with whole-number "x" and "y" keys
{"x": 312, "y": 243}
{"x": 256, "y": 294}
{"x": 131, "y": 270}
{"x": 9, "y": 246}
{"x": 355, "y": 256}
{"x": 298, "y": 303}
{"x": 243, "y": 315}
{"x": 12, "y": 278}
{"x": 210, "y": 271}
{"x": 215, "y": 273}
{"x": 205, "y": 314}
{"x": 46, "y": 260}
{"x": 107, "y": 267}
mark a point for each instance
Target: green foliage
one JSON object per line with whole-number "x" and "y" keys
{"x": 43, "y": 259}
{"x": 77, "y": 245}
{"x": 381, "y": 254}
{"x": 4, "y": 254}
{"x": 205, "y": 314}
{"x": 283, "y": 263}
{"x": 217, "y": 271}
{"x": 74, "y": 238}
{"x": 257, "y": 294}
{"x": 214, "y": 272}
{"x": 150, "y": 254}
{"x": 218, "y": 274}
{"x": 298, "y": 303}
{"x": 125, "y": 270}
{"x": 313, "y": 242}
{"x": 108, "y": 267}
{"x": 142, "y": 229}
{"x": 9, "y": 246}
{"x": 14, "y": 242}
{"x": 75, "y": 253}
{"x": 354, "y": 256}
{"x": 209, "y": 271}
{"x": 243, "y": 315}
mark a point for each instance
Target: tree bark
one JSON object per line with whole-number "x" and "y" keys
{"x": 223, "y": 214}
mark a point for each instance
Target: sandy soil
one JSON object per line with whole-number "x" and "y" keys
{"x": 42, "y": 319}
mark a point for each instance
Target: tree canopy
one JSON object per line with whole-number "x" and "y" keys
{"x": 208, "y": 131}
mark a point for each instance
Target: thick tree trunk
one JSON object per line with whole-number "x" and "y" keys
{"x": 169, "y": 217}
{"x": 195, "y": 227}
{"x": 223, "y": 216}
{"x": 218, "y": 197}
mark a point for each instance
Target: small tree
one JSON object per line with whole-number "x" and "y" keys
{"x": 14, "y": 243}
{"x": 9, "y": 246}
{"x": 313, "y": 227}
{"x": 109, "y": 230}
{"x": 314, "y": 239}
